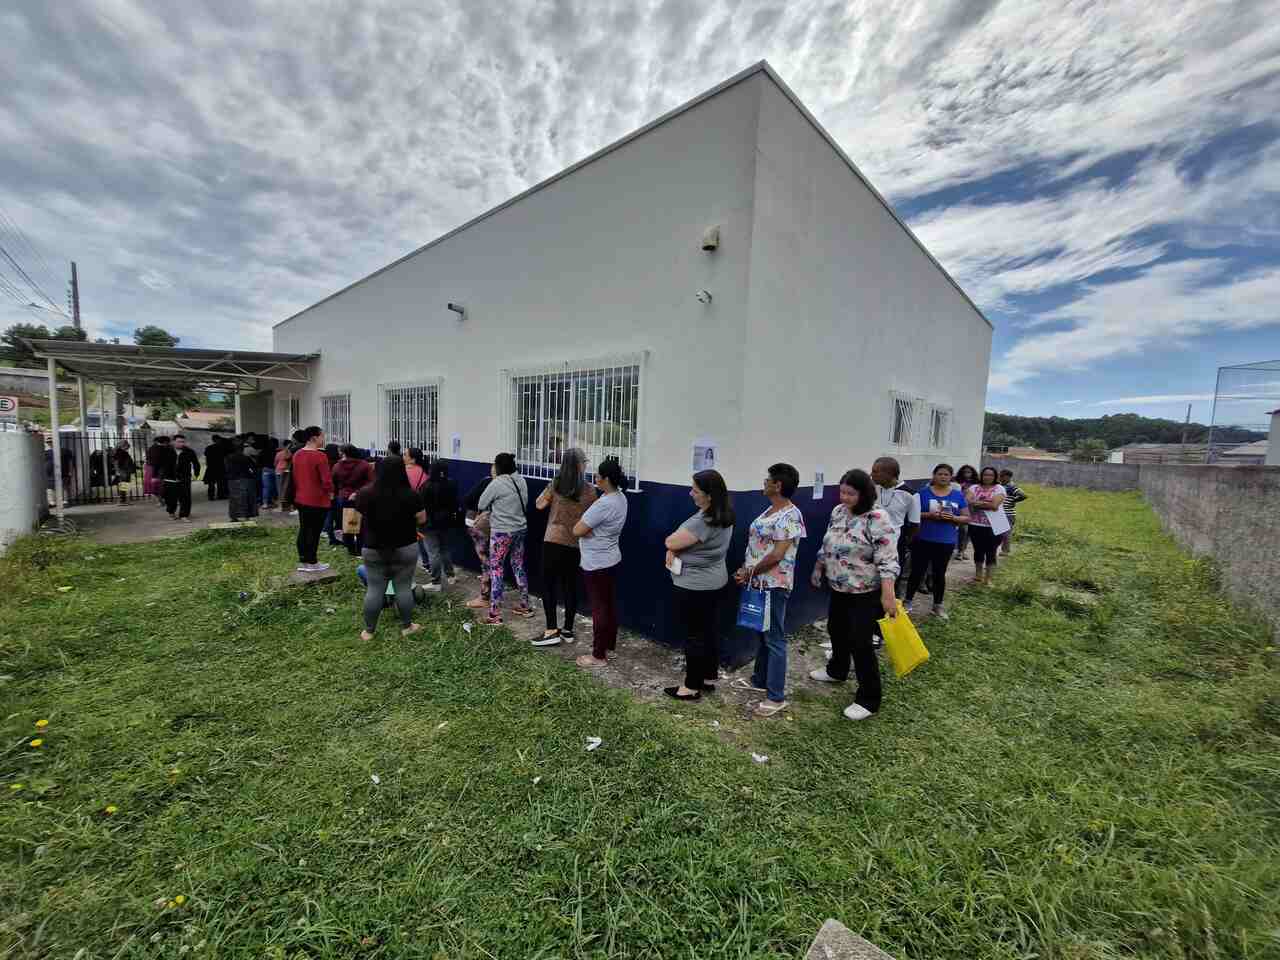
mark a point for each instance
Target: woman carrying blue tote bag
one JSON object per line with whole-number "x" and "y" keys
{"x": 768, "y": 574}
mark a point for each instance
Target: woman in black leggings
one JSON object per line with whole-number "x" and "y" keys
{"x": 943, "y": 512}
{"x": 985, "y": 497}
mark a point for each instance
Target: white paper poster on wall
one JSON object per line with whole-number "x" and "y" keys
{"x": 819, "y": 481}
{"x": 455, "y": 444}
{"x": 704, "y": 455}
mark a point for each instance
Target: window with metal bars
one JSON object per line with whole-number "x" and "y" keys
{"x": 902, "y": 419}
{"x": 592, "y": 406}
{"x": 295, "y": 413}
{"x": 939, "y": 426}
{"x": 335, "y": 417}
{"x": 412, "y": 415}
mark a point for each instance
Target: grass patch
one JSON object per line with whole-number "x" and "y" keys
{"x": 1058, "y": 782}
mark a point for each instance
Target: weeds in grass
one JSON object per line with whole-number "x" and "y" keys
{"x": 1086, "y": 769}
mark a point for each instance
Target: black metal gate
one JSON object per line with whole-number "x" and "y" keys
{"x": 99, "y": 466}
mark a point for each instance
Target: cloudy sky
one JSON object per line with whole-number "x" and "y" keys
{"x": 1103, "y": 178}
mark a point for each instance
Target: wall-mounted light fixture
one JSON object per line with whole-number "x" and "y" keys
{"x": 459, "y": 309}
{"x": 711, "y": 239}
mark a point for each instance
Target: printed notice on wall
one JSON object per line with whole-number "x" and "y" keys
{"x": 704, "y": 455}
{"x": 455, "y": 444}
{"x": 819, "y": 481}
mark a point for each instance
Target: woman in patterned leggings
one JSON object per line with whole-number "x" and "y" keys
{"x": 506, "y": 499}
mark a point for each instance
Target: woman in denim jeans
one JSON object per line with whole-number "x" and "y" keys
{"x": 770, "y": 564}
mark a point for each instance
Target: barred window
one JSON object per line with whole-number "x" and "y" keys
{"x": 592, "y": 405}
{"x": 295, "y": 413}
{"x": 939, "y": 427}
{"x": 412, "y": 415}
{"x": 903, "y": 419}
{"x": 335, "y": 417}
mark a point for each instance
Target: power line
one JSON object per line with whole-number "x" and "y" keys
{"x": 16, "y": 229}
{"x": 31, "y": 283}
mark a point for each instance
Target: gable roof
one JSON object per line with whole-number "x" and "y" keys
{"x": 760, "y": 67}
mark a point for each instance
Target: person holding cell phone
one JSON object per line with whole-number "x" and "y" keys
{"x": 943, "y": 513}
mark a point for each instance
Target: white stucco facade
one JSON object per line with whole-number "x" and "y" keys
{"x": 821, "y": 303}
{"x": 23, "y": 501}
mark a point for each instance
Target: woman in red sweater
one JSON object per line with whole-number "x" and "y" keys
{"x": 312, "y": 494}
{"x": 350, "y": 475}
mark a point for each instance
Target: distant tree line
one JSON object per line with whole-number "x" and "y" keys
{"x": 1064, "y": 435}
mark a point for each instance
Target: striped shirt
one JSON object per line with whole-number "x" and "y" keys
{"x": 1012, "y": 494}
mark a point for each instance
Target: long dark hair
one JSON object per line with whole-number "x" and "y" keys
{"x": 719, "y": 512}
{"x": 966, "y": 474}
{"x": 569, "y": 482}
{"x": 439, "y": 471}
{"x": 995, "y": 476}
{"x": 860, "y": 480}
{"x": 611, "y": 470}
{"x": 390, "y": 486}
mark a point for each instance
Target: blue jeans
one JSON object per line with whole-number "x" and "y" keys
{"x": 771, "y": 661}
{"x": 268, "y": 487}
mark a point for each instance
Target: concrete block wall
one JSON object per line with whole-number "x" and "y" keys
{"x": 1112, "y": 477}
{"x": 1231, "y": 514}
{"x": 23, "y": 502}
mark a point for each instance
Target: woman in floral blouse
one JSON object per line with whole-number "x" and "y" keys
{"x": 858, "y": 560}
{"x": 772, "y": 544}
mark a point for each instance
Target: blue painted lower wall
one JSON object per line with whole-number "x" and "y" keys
{"x": 644, "y": 587}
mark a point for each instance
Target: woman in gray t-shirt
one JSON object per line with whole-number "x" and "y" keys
{"x": 696, "y": 559}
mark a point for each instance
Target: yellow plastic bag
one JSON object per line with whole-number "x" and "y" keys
{"x": 902, "y": 643}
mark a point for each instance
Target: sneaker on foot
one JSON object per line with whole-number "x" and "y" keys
{"x": 319, "y": 567}
{"x": 492, "y": 621}
{"x": 940, "y": 612}
{"x": 566, "y": 636}
{"x": 856, "y": 711}
{"x": 547, "y": 640}
{"x": 822, "y": 676}
{"x": 767, "y": 708}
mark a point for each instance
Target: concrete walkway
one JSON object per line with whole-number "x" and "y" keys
{"x": 146, "y": 519}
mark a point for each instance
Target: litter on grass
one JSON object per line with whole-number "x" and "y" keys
{"x": 592, "y": 743}
{"x": 536, "y": 781}
{"x": 63, "y": 589}
{"x": 760, "y": 757}
{"x": 375, "y": 778}
{"x": 467, "y": 627}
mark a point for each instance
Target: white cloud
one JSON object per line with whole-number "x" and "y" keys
{"x": 1067, "y": 403}
{"x": 257, "y": 157}
{"x": 1155, "y": 400}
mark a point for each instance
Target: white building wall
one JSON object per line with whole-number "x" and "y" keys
{"x": 844, "y": 308}
{"x": 603, "y": 262}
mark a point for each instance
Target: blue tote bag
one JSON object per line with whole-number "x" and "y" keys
{"x": 753, "y": 608}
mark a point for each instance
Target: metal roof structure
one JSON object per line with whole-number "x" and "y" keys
{"x": 128, "y": 364}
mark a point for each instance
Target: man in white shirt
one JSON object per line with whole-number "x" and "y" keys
{"x": 903, "y": 507}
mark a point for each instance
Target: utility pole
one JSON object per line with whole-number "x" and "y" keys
{"x": 1186, "y": 425}
{"x": 75, "y": 297}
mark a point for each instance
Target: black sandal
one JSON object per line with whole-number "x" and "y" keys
{"x": 674, "y": 694}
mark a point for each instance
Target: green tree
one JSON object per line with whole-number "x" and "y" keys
{"x": 1090, "y": 451}
{"x": 152, "y": 336}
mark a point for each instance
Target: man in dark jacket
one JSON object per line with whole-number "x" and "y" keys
{"x": 159, "y": 457}
{"x": 215, "y": 468}
{"x": 184, "y": 466}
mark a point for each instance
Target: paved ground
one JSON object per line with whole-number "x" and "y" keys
{"x": 147, "y": 520}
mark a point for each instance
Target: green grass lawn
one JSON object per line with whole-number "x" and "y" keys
{"x": 1087, "y": 768}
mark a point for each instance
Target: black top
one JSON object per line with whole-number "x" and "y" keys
{"x": 472, "y": 499}
{"x": 215, "y": 456}
{"x": 163, "y": 458}
{"x": 183, "y": 465}
{"x": 240, "y": 466}
{"x": 397, "y": 527}
{"x": 441, "y": 501}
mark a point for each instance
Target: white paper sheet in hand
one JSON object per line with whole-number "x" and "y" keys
{"x": 999, "y": 522}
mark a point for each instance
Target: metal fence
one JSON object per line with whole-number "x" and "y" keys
{"x": 1243, "y": 398}
{"x": 99, "y": 466}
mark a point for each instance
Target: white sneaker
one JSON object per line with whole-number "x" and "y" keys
{"x": 940, "y": 613}
{"x": 856, "y": 712}
{"x": 319, "y": 567}
{"x": 822, "y": 676}
{"x": 432, "y": 587}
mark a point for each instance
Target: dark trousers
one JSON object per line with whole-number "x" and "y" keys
{"x": 904, "y": 565}
{"x": 602, "y": 592}
{"x": 217, "y": 489}
{"x": 985, "y": 544}
{"x": 932, "y": 557}
{"x": 851, "y": 623}
{"x": 332, "y": 524}
{"x": 310, "y": 523}
{"x": 560, "y": 583}
{"x": 696, "y": 612}
{"x": 177, "y": 497}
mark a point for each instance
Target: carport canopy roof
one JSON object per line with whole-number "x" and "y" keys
{"x": 128, "y": 364}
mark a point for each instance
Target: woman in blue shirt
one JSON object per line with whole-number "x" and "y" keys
{"x": 943, "y": 513}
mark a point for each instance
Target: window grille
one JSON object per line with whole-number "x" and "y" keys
{"x": 295, "y": 413}
{"x": 903, "y": 419}
{"x": 939, "y": 427}
{"x": 593, "y": 405}
{"x": 335, "y": 417}
{"x": 412, "y": 415}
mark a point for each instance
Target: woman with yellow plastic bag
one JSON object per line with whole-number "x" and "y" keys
{"x": 858, "y": 561}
